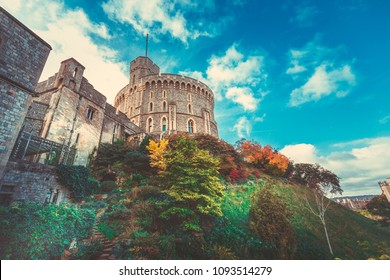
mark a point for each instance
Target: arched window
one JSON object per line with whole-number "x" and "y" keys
{"x": 164, "y": 124}
{"x": 164, "y": 106}
{"x": 150, "y": 125}
{"x": 151, "y": 95}
{"x": 190, "y": 126}
{"x": 189, "y": 109}
{"x": 189, "y": 97}
{"x": 151, "y": 107}
{"x": 164, "y": 94}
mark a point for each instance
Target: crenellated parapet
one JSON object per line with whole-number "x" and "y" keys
{"x": 167, "y": 103}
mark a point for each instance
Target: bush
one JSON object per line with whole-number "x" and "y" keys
{"x": 108, "y": 186}
{"x": 237, "y": 175}
{"x": 37, "y": 231}
{"x": 269, "y": 222}
{"x": 379, "y": 206}
{"x": 78, "y": 180}
{"x": 88, "y": 250}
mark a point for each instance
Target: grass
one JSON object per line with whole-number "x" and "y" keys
{"x": 352, "y": 235}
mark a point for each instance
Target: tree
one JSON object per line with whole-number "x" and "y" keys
{"x": 323, "y": 182}
{"x": 321, "y": 205}
{"x": 317, "y": 178}
{"x": 156, "y": 154}
{"x": 190, "y": 177}
{"x": 265, "y": 157}
{"x": 269, "y": 220}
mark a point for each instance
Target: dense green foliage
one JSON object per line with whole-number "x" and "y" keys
{"x": 78, "y": 180}
{"x": 37, "y": 231}
{"x": 379, "y": 206}
{"x": 269, "y": 220}
{"x": 120, "y": 160}
{"x": 192, "y": 184}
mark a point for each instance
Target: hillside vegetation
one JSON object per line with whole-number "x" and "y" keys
{"x": 195, "y": 197}
{"x": 185, "y": 213}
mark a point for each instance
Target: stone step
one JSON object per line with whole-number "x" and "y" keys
{"x": 107, "y": 250}
{"x": 104, "y": 256}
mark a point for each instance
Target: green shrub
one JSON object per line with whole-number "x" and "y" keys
{"x": 78, "y": 180}
{"x": 88, "y": 250}
{"x": 108, "y": 186}
{"x": 37, "y": 231}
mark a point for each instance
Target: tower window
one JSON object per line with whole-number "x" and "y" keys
{"x": 189, "y": 97}
{"x": 150, "y": 125}
{"x": 191, "y": 126}
{"x": 75, "y": 72}
{"x": 133, "y": 79}
{"x": 164, "y": 94}
{"x": 164, "y": 106}
{"x": 90, "y": 113}
{"x": 164, "y": 124}
{"x": 189, "y": 109}
{"x": 151, "y": 95}
{"x": 150, "y": 107}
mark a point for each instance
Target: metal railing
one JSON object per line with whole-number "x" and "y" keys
{"x": 31, "y": 148}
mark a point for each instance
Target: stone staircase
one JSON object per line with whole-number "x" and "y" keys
{"x": 106, "y": 253}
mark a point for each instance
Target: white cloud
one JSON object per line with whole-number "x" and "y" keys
{"x": 236, "y": 76}
{"x": 260, "y": 119}
{"x": 69, "y": 33}
{"x": 243, "y": 96}
{"x": 318, "y": 71}
{"x": 243, "y": 127}
{"x": 156, "y": 16}
{"x": 360, "y": 164}
{"x": 384, "y": 120}
{"x": 304, "y": 15}
{"x": 324, "y": 81}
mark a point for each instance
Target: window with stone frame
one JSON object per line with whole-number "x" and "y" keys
{"x": 90, "y": 113}
{"x": 190, "y": 126}
{"x": 164, "y": 124}
{"x": 164, "y": 106}
{"x": 151, "y": 107}
{"x": 150, "y": 125}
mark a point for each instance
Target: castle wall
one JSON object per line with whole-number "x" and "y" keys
{"x": 176, "y": 98}
{"x": 32, "y": 182}
{"x": 70, "y": 121}
{"x": 22, "y": 58}
{"x": 35, "y": 118}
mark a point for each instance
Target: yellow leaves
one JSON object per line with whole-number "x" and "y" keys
{"x": 156, "y": 154}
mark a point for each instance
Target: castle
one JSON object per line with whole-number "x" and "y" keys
{"x": 165, "y": 104}
{"x": 64, "y": 118}
{"x": 385, "y": 187}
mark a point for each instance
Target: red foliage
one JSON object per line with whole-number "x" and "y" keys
{"x": 237, "y": 174}
{"x": 263, "y": 157}
{"x": 256, "y": 173}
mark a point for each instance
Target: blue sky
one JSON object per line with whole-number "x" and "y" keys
{"x": 310, "y": 78}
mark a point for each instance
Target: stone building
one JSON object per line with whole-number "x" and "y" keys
{"x": 22, "y": 57}
{"x": 68, "y": 110}
{"x": 164, "y": 104}
{"x": 385, "y": 187}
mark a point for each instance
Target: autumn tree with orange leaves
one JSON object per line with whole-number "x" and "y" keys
{"x": 266, "y": 158}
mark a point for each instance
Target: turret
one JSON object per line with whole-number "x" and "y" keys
{"x": 70, "y": 74}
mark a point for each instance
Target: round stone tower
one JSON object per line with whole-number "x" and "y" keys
{"x": 165, "y": 104}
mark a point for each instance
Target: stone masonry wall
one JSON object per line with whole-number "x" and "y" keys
{"x": 35, "y": 117}
{"x": 22, "y": 58}
{"x": 33, "y": 182}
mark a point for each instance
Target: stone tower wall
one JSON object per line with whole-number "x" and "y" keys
{"x": 176, "y": 98}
